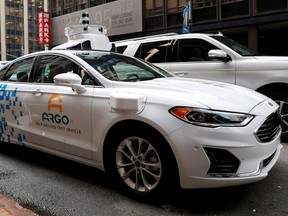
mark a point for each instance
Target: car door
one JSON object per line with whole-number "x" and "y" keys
{"x": 156, "y": 52}
{"x": 190, "y": 59}
{"x": 60, "y": 118}
{"x": 14, "y": 115}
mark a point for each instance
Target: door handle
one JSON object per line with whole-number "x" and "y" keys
{"x": 37, "y": 92}
{"x": 180, "y": 73}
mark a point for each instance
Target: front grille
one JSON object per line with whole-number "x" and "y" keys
{"x": 269, "y": 129}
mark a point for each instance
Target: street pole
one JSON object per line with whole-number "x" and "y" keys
{"x": 46, "y": 9}
{"x": 26, "y": 27}
{"x": 3, "y": 30}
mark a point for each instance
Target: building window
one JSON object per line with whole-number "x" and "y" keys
{"x": 14, "y": 29}
{"x": 234, "y": 8}
{"x": 81, "y": 4}
{"x": 68, "y": 6}
{"x": 204, "y": 11}
{"x": 268, "y": 6}
{"x": 56, "y": 8}
{"x": 175, "y": 12}
{"x": 203, "y": 3}
{"x": 96, "y": 2}
{"x": 153, "y": 14}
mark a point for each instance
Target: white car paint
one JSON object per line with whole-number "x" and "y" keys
{"x": 75, "y": 120}
{"x": 223, "y": 60}
{"x": 249, "y": 71}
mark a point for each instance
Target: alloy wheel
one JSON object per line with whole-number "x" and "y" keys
{"x": 283, "y": 112}
{"x": 138, "y": 164}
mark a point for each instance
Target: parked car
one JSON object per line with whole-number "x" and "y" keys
{"x": 148, "y": 129}
{"x": 215, "y": 57}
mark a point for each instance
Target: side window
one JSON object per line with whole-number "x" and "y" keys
{"x": 121, "y": 49}
{"x": 50, "y": 66}
{"x": 154, "y": 52}
{"x": 193, "y": 50}
{"x": 86, "y": 78}
{"x": 19, "y": 71}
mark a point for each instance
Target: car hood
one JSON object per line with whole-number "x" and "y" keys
{"x": 198, "y": 93}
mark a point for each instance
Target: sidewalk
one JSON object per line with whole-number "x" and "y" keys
{"x": 8, "y": 207}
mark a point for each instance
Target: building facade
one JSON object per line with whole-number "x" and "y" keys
{"x": 19, "y": 27}
{"x": 260, "y": 24}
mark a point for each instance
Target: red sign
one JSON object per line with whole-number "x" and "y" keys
{"x": 44, "y": 27}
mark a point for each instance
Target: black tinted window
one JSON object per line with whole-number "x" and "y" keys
{"x": 153, "y": 52}
{"x": 121, "y": 49}
{"x": 193, "y": 50}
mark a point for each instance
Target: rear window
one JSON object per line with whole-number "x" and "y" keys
{"x": 121, "y": 49}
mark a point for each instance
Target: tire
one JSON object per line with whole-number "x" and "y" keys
{"x": 282, "y": 100}
{"x": 141, "y": 163}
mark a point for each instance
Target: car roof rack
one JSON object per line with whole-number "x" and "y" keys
{"x": 148, "y": 37}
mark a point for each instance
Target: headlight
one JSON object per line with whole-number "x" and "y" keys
{"x": 211, "y": 118}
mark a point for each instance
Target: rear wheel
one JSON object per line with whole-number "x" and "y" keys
{"x": 141, "y": 163}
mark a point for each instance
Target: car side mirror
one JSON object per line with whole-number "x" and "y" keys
{"x": 71, "y": 80}
{"x": 219, "y": 54}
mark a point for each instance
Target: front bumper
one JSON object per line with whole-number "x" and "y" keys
{"x": 190, "y": 144}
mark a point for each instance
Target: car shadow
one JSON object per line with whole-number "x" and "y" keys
{"x": 53, "y": 163}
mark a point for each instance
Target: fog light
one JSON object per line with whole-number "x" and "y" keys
{"x": 221, "y": 162}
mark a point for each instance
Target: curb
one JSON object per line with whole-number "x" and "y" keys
{"x": 9, "y": 207}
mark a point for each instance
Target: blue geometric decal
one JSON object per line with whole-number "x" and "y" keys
{"x": 10, "y": 111}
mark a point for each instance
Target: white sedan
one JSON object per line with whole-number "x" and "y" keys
{"x": 147, "y": 128}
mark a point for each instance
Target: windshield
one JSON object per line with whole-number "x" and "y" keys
{"x": 237, "y": 47}
{"x": 118, "y": 67}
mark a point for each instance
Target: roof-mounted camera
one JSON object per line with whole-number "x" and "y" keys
{"x": 87, "y": 37}
{"x": 85, "y": 20}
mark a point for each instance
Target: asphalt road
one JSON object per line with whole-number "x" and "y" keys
{"x": 51, "y": 186}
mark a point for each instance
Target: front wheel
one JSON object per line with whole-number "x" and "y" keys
{"x": 140, "y": 163}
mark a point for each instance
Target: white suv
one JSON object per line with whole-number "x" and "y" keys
{"x": 215, "y": 57}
